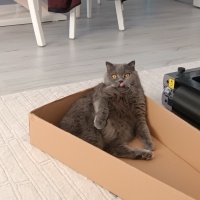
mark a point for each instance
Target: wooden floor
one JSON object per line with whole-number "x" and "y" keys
{"x": 158, "y": 33}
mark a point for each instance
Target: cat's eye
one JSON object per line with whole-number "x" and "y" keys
{"x": 127, "y": 75}
{"x": 114, "y": 76}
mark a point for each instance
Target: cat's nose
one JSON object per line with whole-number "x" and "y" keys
{"x": 121, "y": 81}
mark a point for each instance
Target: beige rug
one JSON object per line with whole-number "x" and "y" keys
{"x": 28, "y": 173}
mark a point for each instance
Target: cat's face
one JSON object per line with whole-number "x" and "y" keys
{"x": 120, "y": 75}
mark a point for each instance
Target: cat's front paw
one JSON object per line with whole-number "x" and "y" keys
{"x": 147, "y": 155}
{"x": 144, "y": 154}
{"x": 150, "y": 146}
{"x": 99, "y": 123}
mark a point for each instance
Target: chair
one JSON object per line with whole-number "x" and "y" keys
{"x": 72, "y": 23}
{"x": 35, "y": 12}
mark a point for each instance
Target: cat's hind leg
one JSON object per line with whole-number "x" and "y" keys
{"x": 143, "y": 134}
{"x": 120, "y": 150}
{"x": 93, "y": 136}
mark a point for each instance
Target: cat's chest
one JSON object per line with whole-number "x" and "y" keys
{"x": 121, "y": 102}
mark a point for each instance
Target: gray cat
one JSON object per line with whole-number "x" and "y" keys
{"x": 113, "y": 114}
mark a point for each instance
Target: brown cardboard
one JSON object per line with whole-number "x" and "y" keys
{"x": 173, "y": 174}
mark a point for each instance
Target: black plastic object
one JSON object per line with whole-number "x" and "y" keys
{"x": 187, "y": 102}
{"x": 181, "y": 70}
{"x": 181, "y": 94}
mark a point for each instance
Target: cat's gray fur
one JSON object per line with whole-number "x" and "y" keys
{"x": 110, "y": 116}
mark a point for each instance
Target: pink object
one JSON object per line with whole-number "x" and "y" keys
{"x": 122, "y": 84}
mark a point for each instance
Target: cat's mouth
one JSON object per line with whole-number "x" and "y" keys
{"x": 122, "y": 85}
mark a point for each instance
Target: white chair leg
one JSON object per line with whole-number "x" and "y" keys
{"x": 89, "y": 8}
{"x": 196, "y": 3}
{"x": 122, "y": 7}
{"x": 120, "y": 18}
{"x": 39, "y": 8}
{"x": 99, "y": 1}
{"x": 37, "y": 26}
{"x": 78, "y": 11}
{"x": 72, "y": 23}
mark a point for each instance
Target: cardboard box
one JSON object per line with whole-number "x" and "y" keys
{"x": 173, "y": 173}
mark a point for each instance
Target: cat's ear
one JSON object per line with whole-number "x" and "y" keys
{"x": 132, "y": 64}
{"x": 109, "y": 66}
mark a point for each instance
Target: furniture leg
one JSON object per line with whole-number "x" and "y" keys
{"x": 89, "y": 8}
{"x": 36, "y": 21}
{"x": 78, "y": 11}
{"x": 72, "y": 23}
{"x": 196, "y": 3}
{"x": 120, "y": 18}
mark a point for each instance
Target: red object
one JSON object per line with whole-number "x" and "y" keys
{"x": 62, "y": 6}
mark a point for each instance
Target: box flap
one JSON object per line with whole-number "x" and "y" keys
{"x": 179, "y": 136}
{"x": 54, "y": 111}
